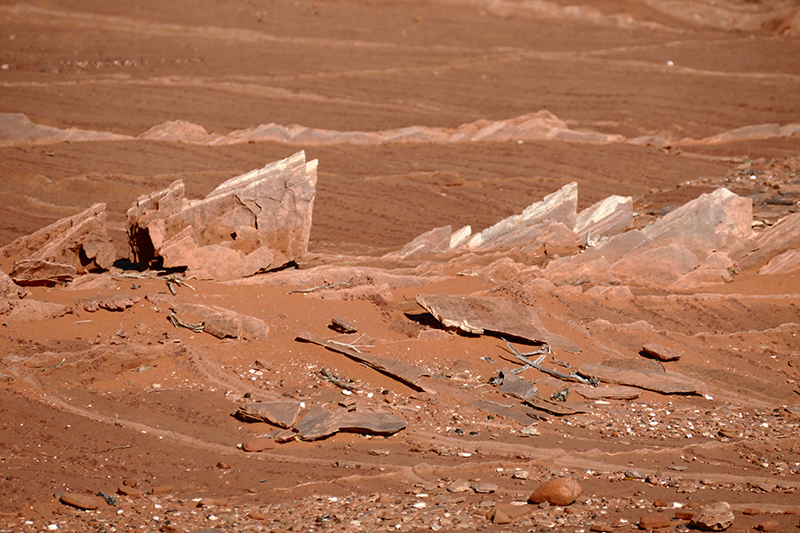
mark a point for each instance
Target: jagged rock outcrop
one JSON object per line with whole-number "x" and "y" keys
{"x": 64, "y": 249}
{"x": 693, "y": 244}
{"x": 251, "y": 223}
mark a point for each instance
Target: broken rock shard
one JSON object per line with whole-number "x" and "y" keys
{"x": 559, "y": 206}
{"x": 251, "y": 223}
{"x": 477, "y": 314}
{"x": 70, "y": 246}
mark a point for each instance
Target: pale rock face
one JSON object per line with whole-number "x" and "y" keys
{"x": 71, "y": 246}
{"x": 559, "y": 206}
{"x": 250, "y": 223}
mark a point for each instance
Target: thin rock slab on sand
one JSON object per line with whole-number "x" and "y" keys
{"x": 478, "y": 314}
{"x": 280, "y": 413}
{"x": 663, "y": 382}
{"x": 319, "y": 423}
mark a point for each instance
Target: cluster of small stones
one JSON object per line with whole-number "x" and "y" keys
{"x": 435, "y": 510}
{"x": 671, "y": 422}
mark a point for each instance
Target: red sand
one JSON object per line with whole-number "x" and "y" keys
{"x": 102, "y": 397}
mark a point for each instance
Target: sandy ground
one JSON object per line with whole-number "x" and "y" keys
{"x": 661, "y": 101}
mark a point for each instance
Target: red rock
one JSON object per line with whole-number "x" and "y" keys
{"x": 162, "y": 489}
{"x": 29, "y": 309}
{"x": 561, "y": 491}
{"x": 602, "y": 528}
{"x": 81, "y": 501}
{"x": 255, "y": 515}
{"x": 282, "y": 413}
{"x": 752, "y": 511}
{"x": 684, "y": 515}
{"x": 662, "y": 353}
{"x": 223, "y": 465}
{"x": 657, "y": 380}
{"x": 768, "y": 526}
{"x": 258, "y": 444}
{"x": 129, "y": 482}
{"x": 129, "y": 491}
{"x": 652, "y": 521}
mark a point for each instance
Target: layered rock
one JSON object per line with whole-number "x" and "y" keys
{"x": 251, "y": 223}
{"x": 64, "y": 249}
{"x": 693, "y": 244}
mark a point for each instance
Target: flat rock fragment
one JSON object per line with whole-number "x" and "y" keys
{"x": 258, "y": 444}
{"x": 653, "y": 521}
{"x": 116, "y": 302}
{"x": 319, "y": 423}
{"x": 280, "y": 413}
{"x": 224, "y": 323}
{"x": 663, "y": 382}
{"x": 662, "y": 353}
{"x": 478, "y": 314}
{"x": 609, "y": 393}
{"x": 81, "y": 501}
{"x": 514, "y": 386}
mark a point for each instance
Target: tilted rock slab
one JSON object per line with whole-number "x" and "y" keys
{"x": 477, "y": 314}
{"x": 224, "y": 323}
{"x": 658, "y": 381}
{"x": 250, "y": 223}
{"x": 664, "y": 252}
{"x": 64, "y": 249}
{"x": 560, "y": 206}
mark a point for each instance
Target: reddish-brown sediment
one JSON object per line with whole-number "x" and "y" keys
{"x": 421, "y": 115}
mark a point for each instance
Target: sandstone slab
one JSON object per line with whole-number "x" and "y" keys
{"x": 279, "y": 413}
{"x": 653, "y": 521}
{"x": 42, "y": 272}
{"x": 258, "y": 444}
{"x": 479, "y": 314}
{"x": 661, "y": 353}
{"x": 659, "y": 381}
{"x": 514, "y": 386}
{"x": 81, "y": 501}
{"x": 560, "y": 206}
{"x": 250, "y": 223}
{"x": 80, "y": 241}
{"x": 319, "y": 423}
{"x": 608, "y": 393}
{"x": 223, "y": 323}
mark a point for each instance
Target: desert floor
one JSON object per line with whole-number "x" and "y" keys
{"x": 667, "y": 100}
